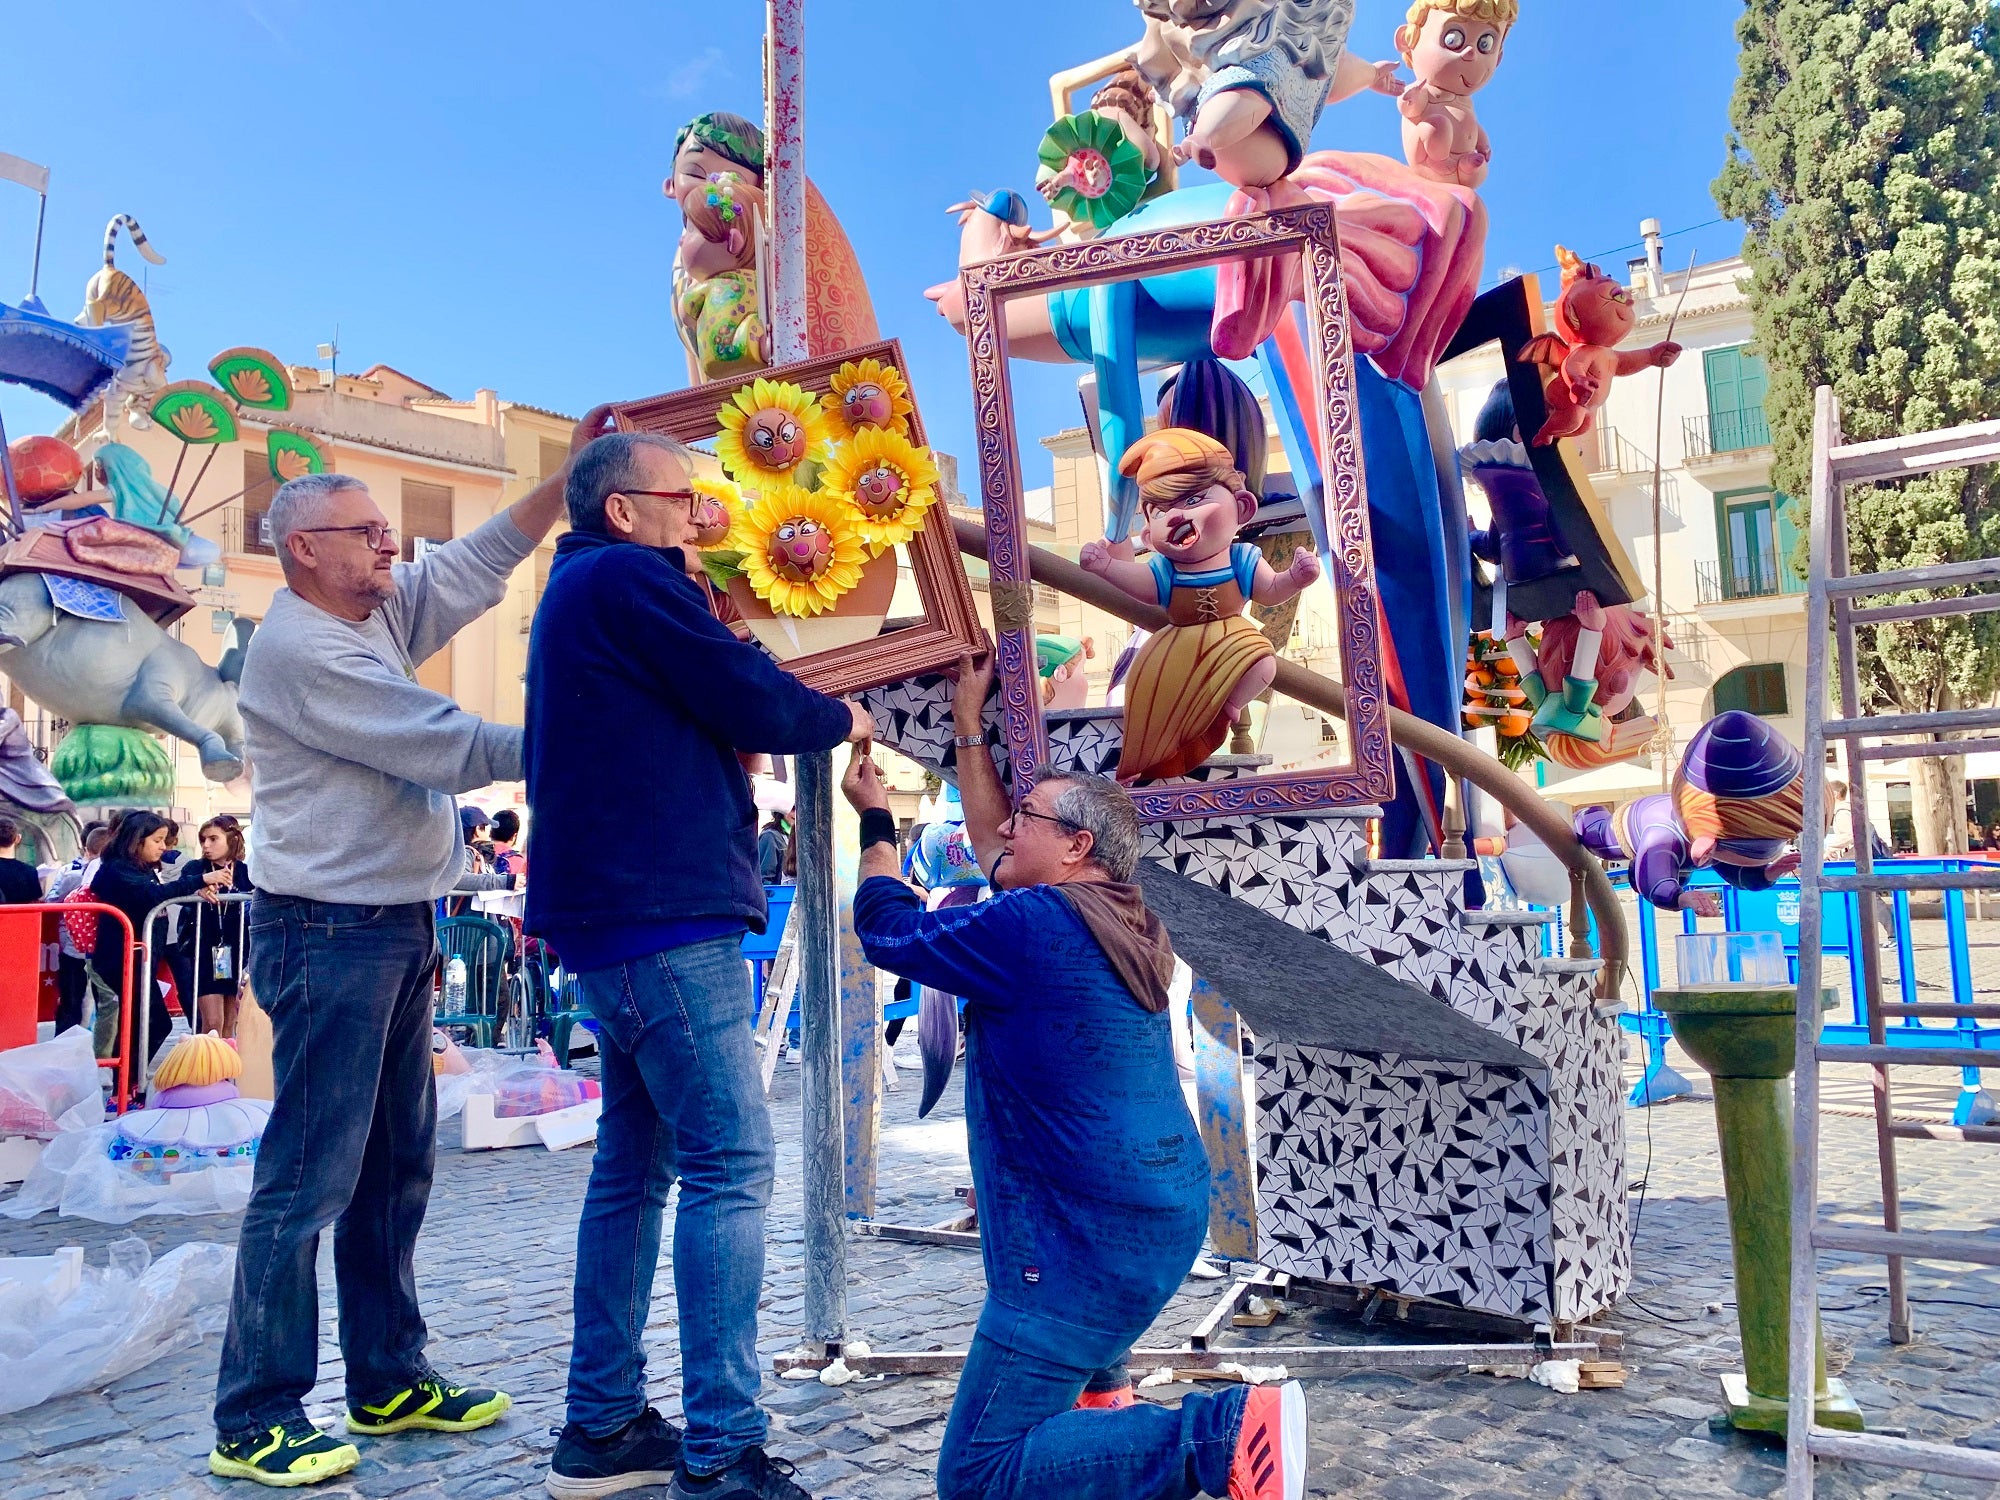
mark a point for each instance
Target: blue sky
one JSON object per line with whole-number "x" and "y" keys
{"x": 472, "y": 192}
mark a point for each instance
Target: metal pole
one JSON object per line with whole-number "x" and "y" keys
{"x": 785, "y": 173}
{"x": 819, "y": 1034}
{"x": 7, "y": 482}
{"x": 824, "y": 1149}
{"x": 1802, "y": 1341}
{"x": 35, "y": 275}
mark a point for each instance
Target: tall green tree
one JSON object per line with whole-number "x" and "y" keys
{"x": 1865, "y": 164}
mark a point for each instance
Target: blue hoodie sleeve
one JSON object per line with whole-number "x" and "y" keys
{"x": 974, "y": 951}
{"x": 732, "y": 689}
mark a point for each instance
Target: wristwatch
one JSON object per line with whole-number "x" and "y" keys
{"x": 968, "y": 741}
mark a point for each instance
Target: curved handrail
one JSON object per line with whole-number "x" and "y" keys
{"x": 1455, "y": 755}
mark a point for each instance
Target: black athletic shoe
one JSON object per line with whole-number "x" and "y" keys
{"x": 754, "y": 1476}
{"x": 433, "y": 1405}
{"x": 646, "y": 1450}
{"x": 285, "y": 1456}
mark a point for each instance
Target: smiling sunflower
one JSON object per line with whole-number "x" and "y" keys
{"x": 770, "y": 429}
{"x": 866, "y": 393}
{"x": 888, "y": 480}
{"x": 717, "y": 504}
{"x": 801, "y": 550}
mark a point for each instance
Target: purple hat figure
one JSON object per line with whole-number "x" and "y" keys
{"x": 1736, "y": 804}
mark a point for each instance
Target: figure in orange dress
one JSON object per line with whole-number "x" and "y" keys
{"x": 1198, "y": 675}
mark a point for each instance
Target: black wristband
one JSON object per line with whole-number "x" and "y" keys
{"x": 878, "y": 826}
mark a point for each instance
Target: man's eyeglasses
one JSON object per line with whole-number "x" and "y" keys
{"x": 1029, "y": 812}
{"x": 662, "y": 494}
{"x": 375, "y": 533}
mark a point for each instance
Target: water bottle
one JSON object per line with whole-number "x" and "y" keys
{"x": 454, "y": 986}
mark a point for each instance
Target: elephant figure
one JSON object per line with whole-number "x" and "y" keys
{"x": 129, "y": 673}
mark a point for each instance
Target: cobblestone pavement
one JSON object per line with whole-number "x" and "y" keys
{"x": 495, "y": 1263}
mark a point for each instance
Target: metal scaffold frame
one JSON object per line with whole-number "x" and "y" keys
{"x": 1832, "y": 617}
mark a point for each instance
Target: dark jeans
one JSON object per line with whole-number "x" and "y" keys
{"x": 350, "y": 1144}
{"x": 72, "y": 989}
{"x": 1013, "y": 1436}
{"x": 682, "y": 1101}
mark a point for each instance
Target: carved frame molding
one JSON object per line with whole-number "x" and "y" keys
{"x": 950, "y": 627}
{"x": 1308, "y": 230}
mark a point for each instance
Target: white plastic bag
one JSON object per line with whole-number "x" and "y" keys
{"x": 483, "y": 1066}
{"x": 119, "y": 1319}
{"x": 49, "y": 1087}
{"x": 77, "y": 1177}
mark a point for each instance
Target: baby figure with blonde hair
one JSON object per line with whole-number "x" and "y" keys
{"x": 1196, "y": 677}
{"x": 1454, "y": 48}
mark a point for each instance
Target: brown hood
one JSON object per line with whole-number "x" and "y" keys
{"x": 1133, "y": 939}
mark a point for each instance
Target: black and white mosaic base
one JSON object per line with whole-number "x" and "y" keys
{"x": 1494, "y": 1189}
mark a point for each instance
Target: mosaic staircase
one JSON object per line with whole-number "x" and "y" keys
{"x": 1499, "y": 1189}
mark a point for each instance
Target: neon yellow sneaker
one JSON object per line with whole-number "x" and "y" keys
{"x": 287, "y": 1456}
{"x": 430, "y": 1404}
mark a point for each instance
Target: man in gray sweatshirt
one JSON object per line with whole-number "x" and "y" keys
{"x": 355, "y": 766}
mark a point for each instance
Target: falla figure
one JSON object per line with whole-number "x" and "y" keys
{"x": 1454, "y": 47}
{"x": 1593, "y": 316}
{"x": 1198, "y": 676}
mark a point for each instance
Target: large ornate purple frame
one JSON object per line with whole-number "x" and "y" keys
{"x": 1309, "y": 231}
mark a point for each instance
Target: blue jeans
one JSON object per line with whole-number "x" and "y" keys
{"x": 350, "y": 1144}
{"x": 682, "y": 1101}
{"x": 1013, "y": 1436}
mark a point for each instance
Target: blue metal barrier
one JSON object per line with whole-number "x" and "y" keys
{"x": 1777, "y": 910}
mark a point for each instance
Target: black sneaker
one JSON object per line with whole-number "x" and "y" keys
{"x": 754, "y": 1476}
{"x": 646, "y": 1450}
{"x": 285, "y": 1456}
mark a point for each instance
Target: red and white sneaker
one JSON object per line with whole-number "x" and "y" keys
{"x": 1116, "y": 1399}
{"x": 1271, "y": 1452}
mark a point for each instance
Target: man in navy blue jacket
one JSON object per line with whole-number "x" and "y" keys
{"x": 639, "y": 701}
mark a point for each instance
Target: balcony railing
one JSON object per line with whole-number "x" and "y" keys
{"x": 1717, "y": 433}
{"x": 1607, "y": 451}
{"x": 1744, "y": 578}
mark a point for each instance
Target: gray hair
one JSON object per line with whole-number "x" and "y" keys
{"x": 1100, "y": 807}
{"x": 303, "y": 503}
{"x": 608, "y": 465}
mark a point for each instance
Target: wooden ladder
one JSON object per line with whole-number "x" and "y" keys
{"x": 1832, "y": 617}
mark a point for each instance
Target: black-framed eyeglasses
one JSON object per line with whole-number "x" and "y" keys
{"x": 687, "y": 495}
{"x": 1029, "y": 812}
{"x": 377, "y": 534}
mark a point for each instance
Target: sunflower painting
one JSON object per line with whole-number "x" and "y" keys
{"x": 801, "y": 550}
{"x": 888, "y": 480}
{"x": 867, "y": 393}
{"x": 770, "y": 430}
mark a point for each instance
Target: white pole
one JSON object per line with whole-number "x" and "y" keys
{"x": 785, "y": 174}
{"x": 815, "y": 910}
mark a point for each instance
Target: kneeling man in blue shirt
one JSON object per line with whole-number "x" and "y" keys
{"x": 1091, "y": 1177}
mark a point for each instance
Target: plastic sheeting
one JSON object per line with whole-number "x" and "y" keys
{"x": 123, "y": 1317}
{"x": 49, "y": 1087}
{"x": 78, "y": 1179}
{"x": 520, "y": 1086}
